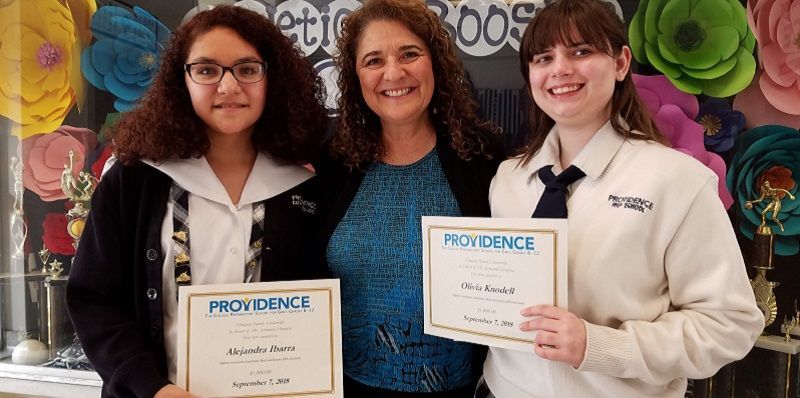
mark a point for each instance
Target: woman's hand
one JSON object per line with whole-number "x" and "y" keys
{"x": 173, "y": 391}
{"x": 561, "y": 335}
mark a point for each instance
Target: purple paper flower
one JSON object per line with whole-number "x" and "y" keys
{"x": 674, "y": 112}
{"x": 720, "y": 124}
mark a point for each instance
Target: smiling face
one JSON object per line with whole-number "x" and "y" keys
{"x": 228, "y": 107}
{"x": 574, "y": 84}
{"x": 395, "y": 72}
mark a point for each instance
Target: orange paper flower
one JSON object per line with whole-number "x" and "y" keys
{"x": 779, "y": 177}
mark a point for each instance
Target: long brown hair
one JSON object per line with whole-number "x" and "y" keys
{"x": 596, "y": 23}
{"x": 165, "y": 125}
{"x": 453, "y": 110}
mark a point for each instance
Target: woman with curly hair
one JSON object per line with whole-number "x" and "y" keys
{"x": 409, "y": 144}
{"x": 208, "y": 189}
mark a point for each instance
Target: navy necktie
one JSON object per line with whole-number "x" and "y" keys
{"x": 553, "y": 203}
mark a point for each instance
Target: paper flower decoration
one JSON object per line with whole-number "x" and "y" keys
{"x": 674, "y": 113}
{"x": 37, "y": 86}
{"x": 758, "y": 111}
{"x": 126, "y": 55}
{"x": 768, "y": 153}
{"x": 720, "y": 124}
{"x": 82, "y": 11}
{"x": 45, "y": 155}
{"x": 56, "y": 238}
{"x": 702, "y": 46}
{"x": 776, "y": 25}
{"x": 100, "y": 162}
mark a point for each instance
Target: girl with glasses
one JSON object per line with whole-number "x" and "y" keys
{"x": 208, "y": 189}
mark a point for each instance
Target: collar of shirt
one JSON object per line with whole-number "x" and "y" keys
{"x": 593, "y": 159}
{"x": 267, "y": 179}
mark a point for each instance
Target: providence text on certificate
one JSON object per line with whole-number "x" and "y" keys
{"x": 478, "y": 273}
{"x": 261, "y": 339}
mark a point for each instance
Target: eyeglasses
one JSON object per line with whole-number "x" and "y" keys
{"x": 209, "y": 73}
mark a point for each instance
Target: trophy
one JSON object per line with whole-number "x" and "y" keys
{"x": 79, "y": 191}
{"x": 791, "y": 324}
{"x": 764, "y": 244}
{"x": 19, "y": 231}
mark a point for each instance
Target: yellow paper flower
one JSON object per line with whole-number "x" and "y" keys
{"x": 37, "y": 40}
{"x": 82, "y": 11}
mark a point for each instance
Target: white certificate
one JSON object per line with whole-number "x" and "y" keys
{"x": 478, "y": 273}
{"x": 261, "y": 339}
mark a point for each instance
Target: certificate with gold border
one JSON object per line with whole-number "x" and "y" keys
{"x": 478, "y": 273}
{"x": 269, "y": 339}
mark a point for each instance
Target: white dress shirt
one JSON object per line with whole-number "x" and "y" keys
{"x": 219, "y": 231}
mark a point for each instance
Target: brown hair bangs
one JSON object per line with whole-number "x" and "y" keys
{"x": 593, "y": 22}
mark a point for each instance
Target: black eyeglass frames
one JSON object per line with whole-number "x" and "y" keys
{"x": 211, "y": 73}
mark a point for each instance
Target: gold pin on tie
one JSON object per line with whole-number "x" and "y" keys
{"x": 184, "y": 278}
{"x": 182, "y": 258}
{"x": 180, "y": 236}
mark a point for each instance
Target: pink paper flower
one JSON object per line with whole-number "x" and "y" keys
{"x": 758, "y": 111}
{"x": 776, "y": 25}
{"x": 45, "y": 155}
{"x": 674, "y": 112}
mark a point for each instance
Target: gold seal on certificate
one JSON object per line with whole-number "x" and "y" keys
{"x": 478, "y": 273}
{"x": 261, "y": 339}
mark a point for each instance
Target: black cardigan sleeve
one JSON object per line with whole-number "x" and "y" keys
{"x": 100, "y": 297}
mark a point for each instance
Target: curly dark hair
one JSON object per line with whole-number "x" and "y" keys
{"x": 165, "y": 125}
{"x": 453, "y": 109}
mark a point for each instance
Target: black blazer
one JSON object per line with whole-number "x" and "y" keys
{"x": 114, "y": 288}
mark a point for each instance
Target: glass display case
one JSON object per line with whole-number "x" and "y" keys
{"x": 59, "y": 93}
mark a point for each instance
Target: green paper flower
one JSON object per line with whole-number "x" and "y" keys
{"x": 702, "y": 46}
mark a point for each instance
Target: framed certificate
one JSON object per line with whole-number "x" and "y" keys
{"x": 260, "y": 339}
{"x": 478, "y": 273}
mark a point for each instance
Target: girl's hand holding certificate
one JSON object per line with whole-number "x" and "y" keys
{"x": 560, "y": 334}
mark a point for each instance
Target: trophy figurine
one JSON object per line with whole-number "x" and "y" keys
{"x": 764, "y": 244}
{"x": 791, "y": 324}
{"x": 19, "y": 231}
{"x": 79, "y": 191}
